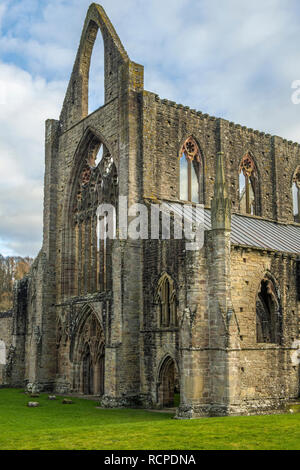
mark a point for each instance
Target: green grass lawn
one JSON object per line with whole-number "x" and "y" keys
{"x": 82, "y": 426}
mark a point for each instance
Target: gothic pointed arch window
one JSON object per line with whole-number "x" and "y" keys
{"x": 87, "y": 353}
{"x": 96, "y": 183}
{"x": 296, "y": 195}
{"x": 96, "y": 74}
{"x": 166, "y": 301}
{"x": 268, "y": 313}
{"x": 107, "y": 63}
{"x": 191, "y": 172}
{"x": 248, "y": 186}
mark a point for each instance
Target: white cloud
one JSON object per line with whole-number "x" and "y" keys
{"x": 40, "y": 57}
{"x": 28, "y": 103}
{"x": 3, "y": 7}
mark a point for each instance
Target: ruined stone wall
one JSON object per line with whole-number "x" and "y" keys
{"x": 105, "y": 124}
{"x": 117, "y": 125}
{"x": 144, "y": 134}
{"x": 35, "y": 322}
{"x": 166, "y": 125}
{"x": 188, "y": 270}
{"x": 275, "y": 159}
{"x": 75, "y": 106}
{"x": 110, "y": 123}
{"x": 268, "y": 373}
{"x": 71, "y": 317}
{"x": 158, "y": 342}
{"x": 6, "y": 325}
{"x": 15, "y": 368}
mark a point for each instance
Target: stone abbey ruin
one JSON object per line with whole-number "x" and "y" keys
{"x": 136, "y": 322}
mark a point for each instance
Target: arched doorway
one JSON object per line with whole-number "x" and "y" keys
{"x": 88, "y": 356}
{"x": 87, "y": 373}
{"x": 168, "y": 383}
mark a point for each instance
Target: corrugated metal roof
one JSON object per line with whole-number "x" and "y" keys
{"x": 251, "y": 231}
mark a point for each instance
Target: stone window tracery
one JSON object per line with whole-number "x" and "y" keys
{"x": 296, "y": 195}
{"x": 191, "y": 172}
{"x": 97, "y": 183}
{"x": 166, "y": 301}
{"x": 89, "y": 357}
{"x": 268, "y": 313}
{"x": 248, "y": 186}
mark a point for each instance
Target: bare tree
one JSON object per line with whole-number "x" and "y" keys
{"x": 12, "y": 268}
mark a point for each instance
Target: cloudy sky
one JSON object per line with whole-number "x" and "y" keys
{"x": 229, "y": 58}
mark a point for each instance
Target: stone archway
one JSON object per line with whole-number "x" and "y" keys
{"x": 168, "y": 383}
{"x": 89, "y": 357}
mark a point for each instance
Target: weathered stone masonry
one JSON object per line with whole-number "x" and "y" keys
{"x": 133, "y": 321}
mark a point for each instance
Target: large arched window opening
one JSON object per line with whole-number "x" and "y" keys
{"x": 166, "y": 301}
{"x": 97, "y": 183}
{"x": 296, "y": 195}
{"x": 268, "y": 313}
{"x": 96, "y": 75}
{"x": 248, "y": 186}
{"x": 109, "y": 57}
{"x": 191, "y": 172}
